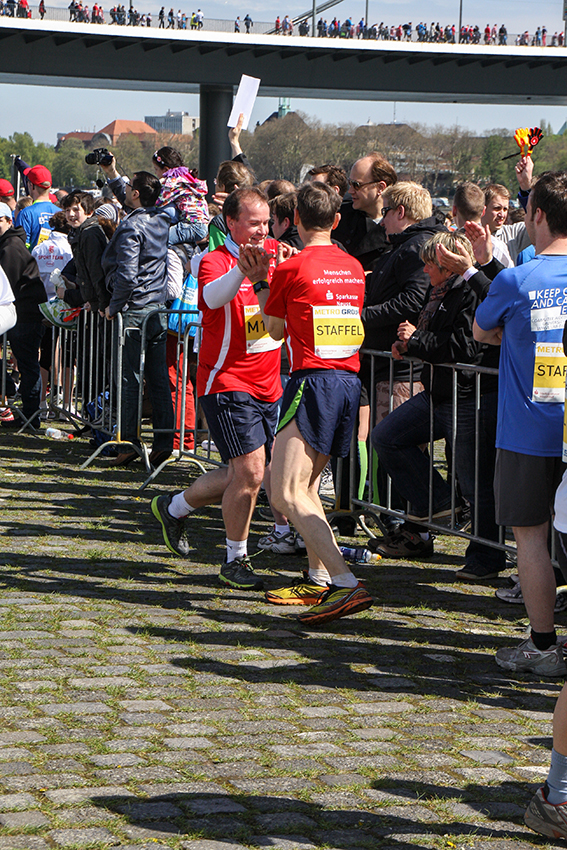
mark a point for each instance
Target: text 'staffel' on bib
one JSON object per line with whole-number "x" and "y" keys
{"x": 548, "y": 309}
{"x": 337, "y": 331}
{"x": 550, "y": 370}
{"x": 258, "y": 339}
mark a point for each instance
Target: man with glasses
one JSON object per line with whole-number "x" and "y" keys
{"x": 359, "y": 229}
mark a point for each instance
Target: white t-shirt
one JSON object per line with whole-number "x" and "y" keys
{"x": 53, "y": 253}
{"x": 6, "y": 294}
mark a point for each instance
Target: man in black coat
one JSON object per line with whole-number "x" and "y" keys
{"x": 359, "y": 229}
{"x": 25, "y": 337}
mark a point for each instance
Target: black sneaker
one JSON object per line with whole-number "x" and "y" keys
{"x": 478, "y": 572}
{"x": 239, "y": 574}
{"x": 402, "y": 544}
{"x": 173, "y": 529}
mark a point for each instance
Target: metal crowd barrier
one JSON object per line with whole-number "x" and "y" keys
{"x": 85, "y": 389}
{"x": 363, "y": 509}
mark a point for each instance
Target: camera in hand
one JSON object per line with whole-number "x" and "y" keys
{"x": 100, "y": 156}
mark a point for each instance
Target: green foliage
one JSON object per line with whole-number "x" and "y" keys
{"x": 70, "y": 168}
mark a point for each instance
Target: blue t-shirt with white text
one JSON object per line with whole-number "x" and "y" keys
{"x": 530, "y": 303}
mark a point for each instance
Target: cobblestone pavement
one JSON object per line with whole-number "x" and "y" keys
{"x": 144, "y": 706}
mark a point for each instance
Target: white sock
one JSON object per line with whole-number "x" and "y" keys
{"x": 236, "y": 549}
{"x": 320, "y": 576}
{"x": 282, "y": 529}
{"x": 424, "y": 535}
{"x": 178, "y": 507}
{"x": 345, "y": 580}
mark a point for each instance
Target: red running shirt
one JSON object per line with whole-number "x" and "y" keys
{"x": 320, "y": 294}
{"x": 237, "y": 354}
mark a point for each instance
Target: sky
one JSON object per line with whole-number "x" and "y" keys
{"x": 52, "y": 110}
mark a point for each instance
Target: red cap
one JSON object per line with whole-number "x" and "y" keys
{"x": 6, "y": 189}
{"x": 39, "y": 175}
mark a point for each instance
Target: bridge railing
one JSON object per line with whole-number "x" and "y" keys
{"x": 53, "y": 13}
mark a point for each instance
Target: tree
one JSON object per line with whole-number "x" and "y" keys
{"x": 70, "y": 169}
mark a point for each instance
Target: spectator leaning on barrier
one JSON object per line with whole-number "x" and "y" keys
{"x": 135, "y": 265}
{"x": 523, "y": 313}
{"x": 442, "y": 334}
{"x": 26, "y": 335}
{"x": 238, "y": 384}
{"x": 88, "y": 242}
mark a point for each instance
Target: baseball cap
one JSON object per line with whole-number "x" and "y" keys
{"x": 6, "y": 188}
{"x": 5, "y": 211}
{"x": 39, "y": 175}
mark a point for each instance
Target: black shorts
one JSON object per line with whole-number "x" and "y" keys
{"x": 524, "y": 487}
{"x": 324, "y": 404}
{"x": 240, "y": 424}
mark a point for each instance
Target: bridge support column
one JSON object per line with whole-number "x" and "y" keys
{"x": 215, "y": 104}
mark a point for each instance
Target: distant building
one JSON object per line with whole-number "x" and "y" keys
{"x": 110, "y": 134}
{"x": 179, "y": 123}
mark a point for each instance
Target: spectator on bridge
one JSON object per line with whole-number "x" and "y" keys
{"x": 248, "y": 22}
{"x": 237, "y": 24}
{"x": 41, "y": 9}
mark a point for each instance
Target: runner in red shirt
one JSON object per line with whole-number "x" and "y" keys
{"x": 316, "y": 299}
{"x": 238, "y": 385}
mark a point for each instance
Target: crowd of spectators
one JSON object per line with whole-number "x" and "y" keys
{"x": 434, "y": 33}
{"x": 336, "y": 268}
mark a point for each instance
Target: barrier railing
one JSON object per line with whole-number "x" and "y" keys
{"x": 374, "y": 506}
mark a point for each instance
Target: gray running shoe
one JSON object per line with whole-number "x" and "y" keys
{"x": 173, "y": 529}
{"x": 527, "y": 658}
{"x": 281, "y": 544}
{"x": 545, "y": 818}
{"x": 513, "y": 595}
{"x": 240, "y": 574}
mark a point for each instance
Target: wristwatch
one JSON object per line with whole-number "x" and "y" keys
{"x": 260, "y": 285}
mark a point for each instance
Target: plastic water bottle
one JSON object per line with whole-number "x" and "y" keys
{"x": 56, "y": 278}
{"x": 55, "y": 434}
{"x": 361, "y": 555}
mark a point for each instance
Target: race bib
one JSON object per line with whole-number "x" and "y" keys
{"x": 44, "y": 233}
{"x": 258, "y": 339}
{"x": 337, "y": 332}
{"x": 550, "y": 370}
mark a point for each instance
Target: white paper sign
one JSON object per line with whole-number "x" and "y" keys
{"x": 244, "y": 101}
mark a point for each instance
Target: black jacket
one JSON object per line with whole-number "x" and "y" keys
{"x": 22, "y": 272}
{"x": 87, "y": 244}
{"x": 361, "y": 237}
{"x": 396, "y": 291}
{"x": 449, "y": 339}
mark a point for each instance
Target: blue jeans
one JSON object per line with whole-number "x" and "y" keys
{"x": 397, "y": 439}
{"x": 155, "y": 374}
{"x": 25, "y": 340}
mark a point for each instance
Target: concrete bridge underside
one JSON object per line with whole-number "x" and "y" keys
{"x": 208, "y": 63}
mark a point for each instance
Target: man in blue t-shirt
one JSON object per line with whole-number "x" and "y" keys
{"x": 35, "y": 219}
{"x": 525, "y": 312}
